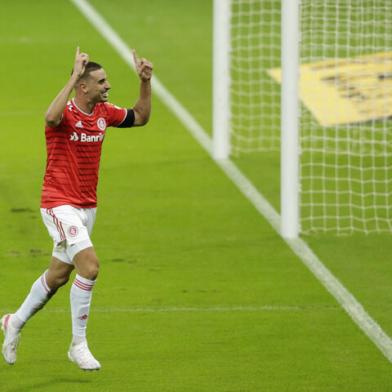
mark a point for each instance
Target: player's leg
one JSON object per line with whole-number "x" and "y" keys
{"x": 43, "y": 288}
{"x": 41, "y": 291}
{"x": 58, "y": 273}
{"x": 86, "y": 265}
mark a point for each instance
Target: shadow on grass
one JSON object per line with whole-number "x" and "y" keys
{"x": 51, "y": 384}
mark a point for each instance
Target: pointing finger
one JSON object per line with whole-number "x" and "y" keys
{"x": 135, "y": 60}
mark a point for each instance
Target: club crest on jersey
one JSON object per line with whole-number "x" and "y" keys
{"x": 101, "y": 123}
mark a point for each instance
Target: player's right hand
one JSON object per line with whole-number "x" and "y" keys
{"x": 81, "y": 59}
{"x": 143, "y": 67}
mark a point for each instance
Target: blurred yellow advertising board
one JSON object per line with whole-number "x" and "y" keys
{"x": 342, "y": 91}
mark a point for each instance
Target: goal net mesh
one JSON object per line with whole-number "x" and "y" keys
{"x": 255, "y": 97}
{"x": 346, "y": 150}
{"x": 346, "y": 105}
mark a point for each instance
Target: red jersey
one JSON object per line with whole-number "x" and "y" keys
{"x": 74, "y": 153}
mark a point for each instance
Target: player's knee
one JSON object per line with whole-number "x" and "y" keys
{"x": 89, "y": 267}
{"x": 91, "y": 270}
{"x": 55, "y": 278}
{"x": 87, "y": 264}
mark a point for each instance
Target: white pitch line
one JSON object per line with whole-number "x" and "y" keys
{"x": 354, "y": 309}
{"x": 194, "y": 309}
{"x": 197, "y": 309}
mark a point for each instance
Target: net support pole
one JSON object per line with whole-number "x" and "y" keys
{"x": 221, "y": 79}
{"x": 289, "y": 199}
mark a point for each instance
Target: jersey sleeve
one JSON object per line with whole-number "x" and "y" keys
{"x": 63, "y": 122}
{"x": 114, "y": 115}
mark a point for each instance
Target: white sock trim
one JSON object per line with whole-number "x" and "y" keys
{"x": 44, "y": 283}
{"x": 83, "y": 283}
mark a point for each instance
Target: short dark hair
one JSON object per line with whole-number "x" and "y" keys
{"x": 90, "y": 67}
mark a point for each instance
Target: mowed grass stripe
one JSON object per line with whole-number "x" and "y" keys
{"x": 189, "y": 309}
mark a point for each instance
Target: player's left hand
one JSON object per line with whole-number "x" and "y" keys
{"x": 143, "y": 67}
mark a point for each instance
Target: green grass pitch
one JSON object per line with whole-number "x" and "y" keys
{"x": 196, "y": 292}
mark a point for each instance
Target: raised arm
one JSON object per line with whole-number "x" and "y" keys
{"x": 142, "y": 107}
{"x": 55, "y": 111}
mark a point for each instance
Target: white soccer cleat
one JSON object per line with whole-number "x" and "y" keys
{"x": 11, "y": 339}
{"x": 81, "y": 355}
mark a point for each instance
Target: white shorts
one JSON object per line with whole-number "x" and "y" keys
{"x": 70, "y": 229}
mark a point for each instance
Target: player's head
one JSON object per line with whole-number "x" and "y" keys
{"x": 93, "y": 84}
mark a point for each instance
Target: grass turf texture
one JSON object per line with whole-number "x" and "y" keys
{"x": 196, "y": 292}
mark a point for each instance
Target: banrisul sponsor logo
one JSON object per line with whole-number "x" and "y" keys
{"x": 74, "y": 137}
{"x": 91, "y": 138}
{"x": 84, "y": 138}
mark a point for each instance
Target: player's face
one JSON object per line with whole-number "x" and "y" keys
{"x": 98, "y": 86}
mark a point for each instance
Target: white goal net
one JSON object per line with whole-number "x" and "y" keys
{"x": 346, "y": 105}
{"x": 255, "y": 97}
{"x": 346, "y": 132}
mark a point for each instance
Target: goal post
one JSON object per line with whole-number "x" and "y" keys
{"x": 221, "y": 79}
{"x": 289, "y": 162}
{"x": 236, "y": 49}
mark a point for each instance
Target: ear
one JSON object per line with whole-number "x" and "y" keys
{"x": 83, "y": 86}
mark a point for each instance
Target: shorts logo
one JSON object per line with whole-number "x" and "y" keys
{"x": 101, "y": 123}
{"x": 73, "y": 231}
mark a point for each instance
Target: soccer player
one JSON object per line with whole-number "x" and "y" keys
{"x": 75, "y": 130}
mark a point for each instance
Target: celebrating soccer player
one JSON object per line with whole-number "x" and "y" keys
{"x": 75, "y": 130}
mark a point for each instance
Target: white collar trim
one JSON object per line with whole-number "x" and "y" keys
{"x": 80, "y": 110}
